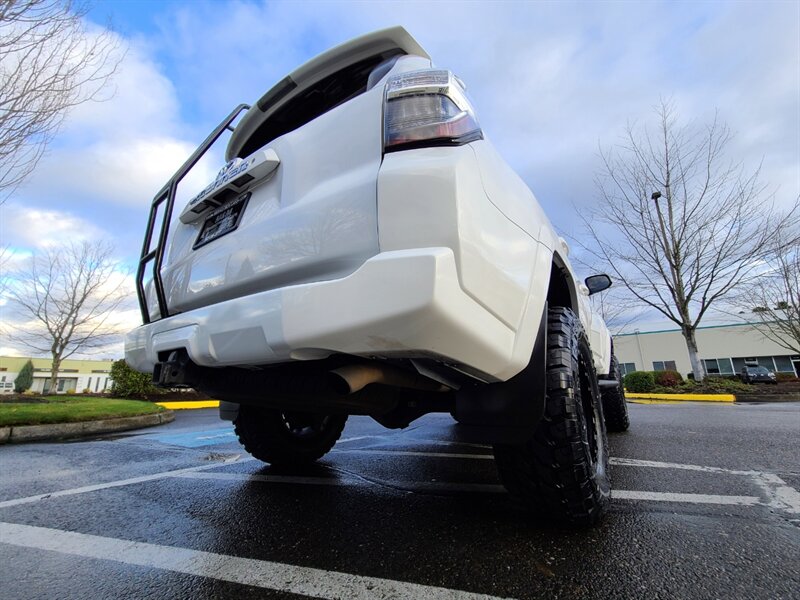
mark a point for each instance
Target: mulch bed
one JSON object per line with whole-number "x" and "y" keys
{"x": 172, "y": 395}
{"x": 162, "y": 396}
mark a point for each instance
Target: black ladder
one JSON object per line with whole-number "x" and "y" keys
{"x": 167, "y": 194}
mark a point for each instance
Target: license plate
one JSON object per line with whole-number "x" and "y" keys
{"x": 223, "y": 220}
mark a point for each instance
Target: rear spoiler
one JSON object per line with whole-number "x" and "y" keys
{"x": 379, "y": 42}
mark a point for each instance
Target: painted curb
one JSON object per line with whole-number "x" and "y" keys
{"x": 18, "y": 434}
{"x": 181, "y": 405}
{"x": 683, "y": 397}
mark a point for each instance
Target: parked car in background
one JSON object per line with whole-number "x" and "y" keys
{"x": 757, "y": 375}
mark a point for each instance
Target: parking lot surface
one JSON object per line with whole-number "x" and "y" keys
{"x": 705, "y": 506}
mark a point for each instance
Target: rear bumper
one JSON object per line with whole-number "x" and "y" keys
{"x": 400, "y": 303}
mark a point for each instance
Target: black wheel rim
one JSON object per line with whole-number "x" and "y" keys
{"x": 592, "y": 419}
{"x": 305, "y": 426}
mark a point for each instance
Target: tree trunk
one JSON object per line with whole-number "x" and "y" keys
{"x": 54, "y": 374}
{"x": 694, "y": 359}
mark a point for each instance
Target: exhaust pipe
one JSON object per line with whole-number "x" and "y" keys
{"x": 350, "y": 379}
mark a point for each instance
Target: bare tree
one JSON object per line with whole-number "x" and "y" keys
{"x": 775, "y": 298}
{"x": 617, "y": 309}
{"x": 49, "y": 63}
{"x": 63, "y": 299}
{"x": 6, "y": 255}
{"x": 678, "y": 224}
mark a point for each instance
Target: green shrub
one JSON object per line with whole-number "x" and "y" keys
{"x": 639, "y": 382}
{"x": 24, "y": 379}
{"x": 129, "y": 383}
{"x": 667, "y": 378}
{"x": 721, "y": 385}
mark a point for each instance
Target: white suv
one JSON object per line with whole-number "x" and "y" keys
{"x": 366, "y": 251}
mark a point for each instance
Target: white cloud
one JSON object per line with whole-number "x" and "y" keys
{"x": 108, "y": 162}
{"x": 26, "y": 227}
{"x": 140, "y": 101}
{"x": 120, "y": 151}
{"x": 550, "y": 81}
{"x": 127, "y": 172}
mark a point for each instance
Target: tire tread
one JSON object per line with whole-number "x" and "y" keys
{"x": 551, "y": 473}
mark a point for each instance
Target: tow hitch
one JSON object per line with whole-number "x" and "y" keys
{"x": 175, "y": 371}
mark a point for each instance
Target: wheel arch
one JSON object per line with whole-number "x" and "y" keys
{"x": 561, "y": 286}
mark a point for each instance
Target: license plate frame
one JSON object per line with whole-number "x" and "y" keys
{"x": 222, "y": 221}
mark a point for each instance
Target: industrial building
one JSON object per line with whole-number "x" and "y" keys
{"x": 724, "y": 350}
{"x": 74, "y": 376}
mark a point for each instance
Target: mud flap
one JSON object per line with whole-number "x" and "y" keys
{"x": 506, "y": 412}
{"x": 228, "y": 411}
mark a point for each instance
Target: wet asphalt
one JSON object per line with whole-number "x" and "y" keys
{"x": 414, "y": 506}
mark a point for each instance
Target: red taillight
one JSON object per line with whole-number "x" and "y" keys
{"x": 427, "y": 108}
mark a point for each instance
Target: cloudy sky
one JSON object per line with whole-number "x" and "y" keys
{"x": 551, "y": 82}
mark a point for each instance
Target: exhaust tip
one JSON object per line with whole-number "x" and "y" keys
{"x": 339, "y": 384}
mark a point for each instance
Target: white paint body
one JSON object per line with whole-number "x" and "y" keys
{"x": 438, "y": 252}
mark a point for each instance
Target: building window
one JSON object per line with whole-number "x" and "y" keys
{"x": 67, "y": 384}
{"x": 97, "y": 384}
{"x": 738, "y": 364}
{"x": 664, "y": 365}
{"x": 718, "y": 366}
{"x": 626, "y": 368}
{"x": 783, "y": 364}
{"x": 766, "y": 361}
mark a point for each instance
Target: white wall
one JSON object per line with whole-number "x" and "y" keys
{"x": 728, "y": 341}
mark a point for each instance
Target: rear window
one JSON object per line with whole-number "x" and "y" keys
{"x": 325, "y": 95}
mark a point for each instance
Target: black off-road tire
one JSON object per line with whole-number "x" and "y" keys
{"x": 287, "y": 438}
{"x": 561, "y": 473}
{"x": 615, "y": 408}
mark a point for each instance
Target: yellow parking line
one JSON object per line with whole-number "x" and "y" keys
{"x": 192, "y": 404}
{"x": 683, "y": 397}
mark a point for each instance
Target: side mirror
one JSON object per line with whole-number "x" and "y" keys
{"x": 597, "y": 283}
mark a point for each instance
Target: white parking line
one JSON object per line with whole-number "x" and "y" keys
{"x": 634, "y": 462}
{"x": 358, "y": 437}
{"x": 415, "y": 453}
{"x": 779, "y": 494}
{"x": 257, "y": 477}
{"x": 119, "y": 483}
{"x": 481, "y": 488}
{"x": 685, "y": 498}
{"x": 282, "y": 577}
{"x": 427, "y": 486}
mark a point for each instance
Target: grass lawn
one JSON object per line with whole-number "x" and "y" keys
{"x": 70, "y": 409}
